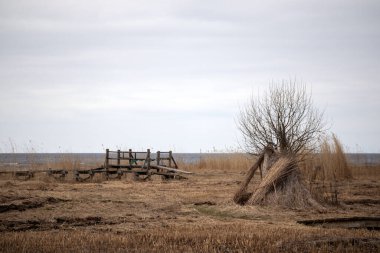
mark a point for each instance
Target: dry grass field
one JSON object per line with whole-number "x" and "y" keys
{"x": 194, "y": 215}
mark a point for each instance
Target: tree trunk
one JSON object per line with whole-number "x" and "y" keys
{"x": 270, "y": 157}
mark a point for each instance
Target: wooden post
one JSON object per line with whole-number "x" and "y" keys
{"x": 241, "y": 196}
{"x": 158, "y": 157}
{"x": 118, "y": 158}
{"x": 130, "y": 156}
{"x": 148, "y": 158}
{"x": 107, "y": 158}
{"x": 170, "y": 158}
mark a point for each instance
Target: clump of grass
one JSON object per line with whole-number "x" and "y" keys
{"x": 327, "y": 170}
{"x": 333, "y": 160}
{"x": 329, "y": 164}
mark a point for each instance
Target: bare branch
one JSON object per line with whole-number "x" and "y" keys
{"x": 285, "y": 116}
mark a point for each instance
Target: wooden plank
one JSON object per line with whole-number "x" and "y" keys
{"x": 164, "y": 158}
{"x": 170, "y": 169}
{"x": 139, "y": 171}
{"x": 128, "y": 167}
{"x": 126, "y": 152}
{"x": 6, "y": 172}
{"x": 164, "y": 173}
{"x": 175, "y": 164}
{"x": 127, "y": 158}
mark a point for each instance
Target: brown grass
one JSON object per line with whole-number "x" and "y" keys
{"x": 238, "y": 237}
{"x": 327, "y": 171}
{"x": 69, "y": 162}
{"x": 233, "y": 162}
{"x": 282, "y": 186}
{"x": 365, "y": 171}
{"x": 333, "y": 160}
{"x": 195, "y": 215}
{"x": 160, "y": 216}
{"x": 330, "y": 164}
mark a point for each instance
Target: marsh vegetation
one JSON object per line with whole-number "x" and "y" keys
{"x": 44, "y": 214}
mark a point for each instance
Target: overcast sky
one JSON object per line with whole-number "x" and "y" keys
{"x": 80, "y": 76}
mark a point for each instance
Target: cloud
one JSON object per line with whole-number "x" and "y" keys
{"x": 67, "y": 64}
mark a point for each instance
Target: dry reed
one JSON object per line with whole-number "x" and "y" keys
{"x": 161, "y": 216}
{"x": 233, "y": 162}
{"x": 282, "y": 186}
{"x": 365, "y": 171}
{"x": 327, "y": 170}
{"x": 330, "y": 164}
{"x": 333, "y": 160}
{"x": 207, "y": 238}
{"x": 275, "y": 176}
{"x": 68, "y": 162}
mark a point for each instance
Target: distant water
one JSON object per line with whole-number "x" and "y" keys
{"x": 22, "y": 159}
{"x": 86, "y": 158}
{"x": 364, "y": 158}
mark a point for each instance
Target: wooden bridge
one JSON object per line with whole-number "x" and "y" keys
{"x": 142, "y": 165}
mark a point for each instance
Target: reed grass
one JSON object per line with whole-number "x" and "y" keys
{"x": 211, "y": 238}
{"x": 158, "y": 216}
{"x": 329, "y": 164}
{"x": 365, "y": 171}
{"x": 333, "y": 160}
{"x": 232, "y": 162}
{"x": 327, "y": 170}
{"x": 67, "y": 162}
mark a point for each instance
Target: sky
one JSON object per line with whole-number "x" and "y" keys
{"x": 82, "y": 76}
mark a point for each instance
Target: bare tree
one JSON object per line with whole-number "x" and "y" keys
{"x": 284, "y": 116}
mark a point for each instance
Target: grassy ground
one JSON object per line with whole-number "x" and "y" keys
{"x": 194, "y": 215}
